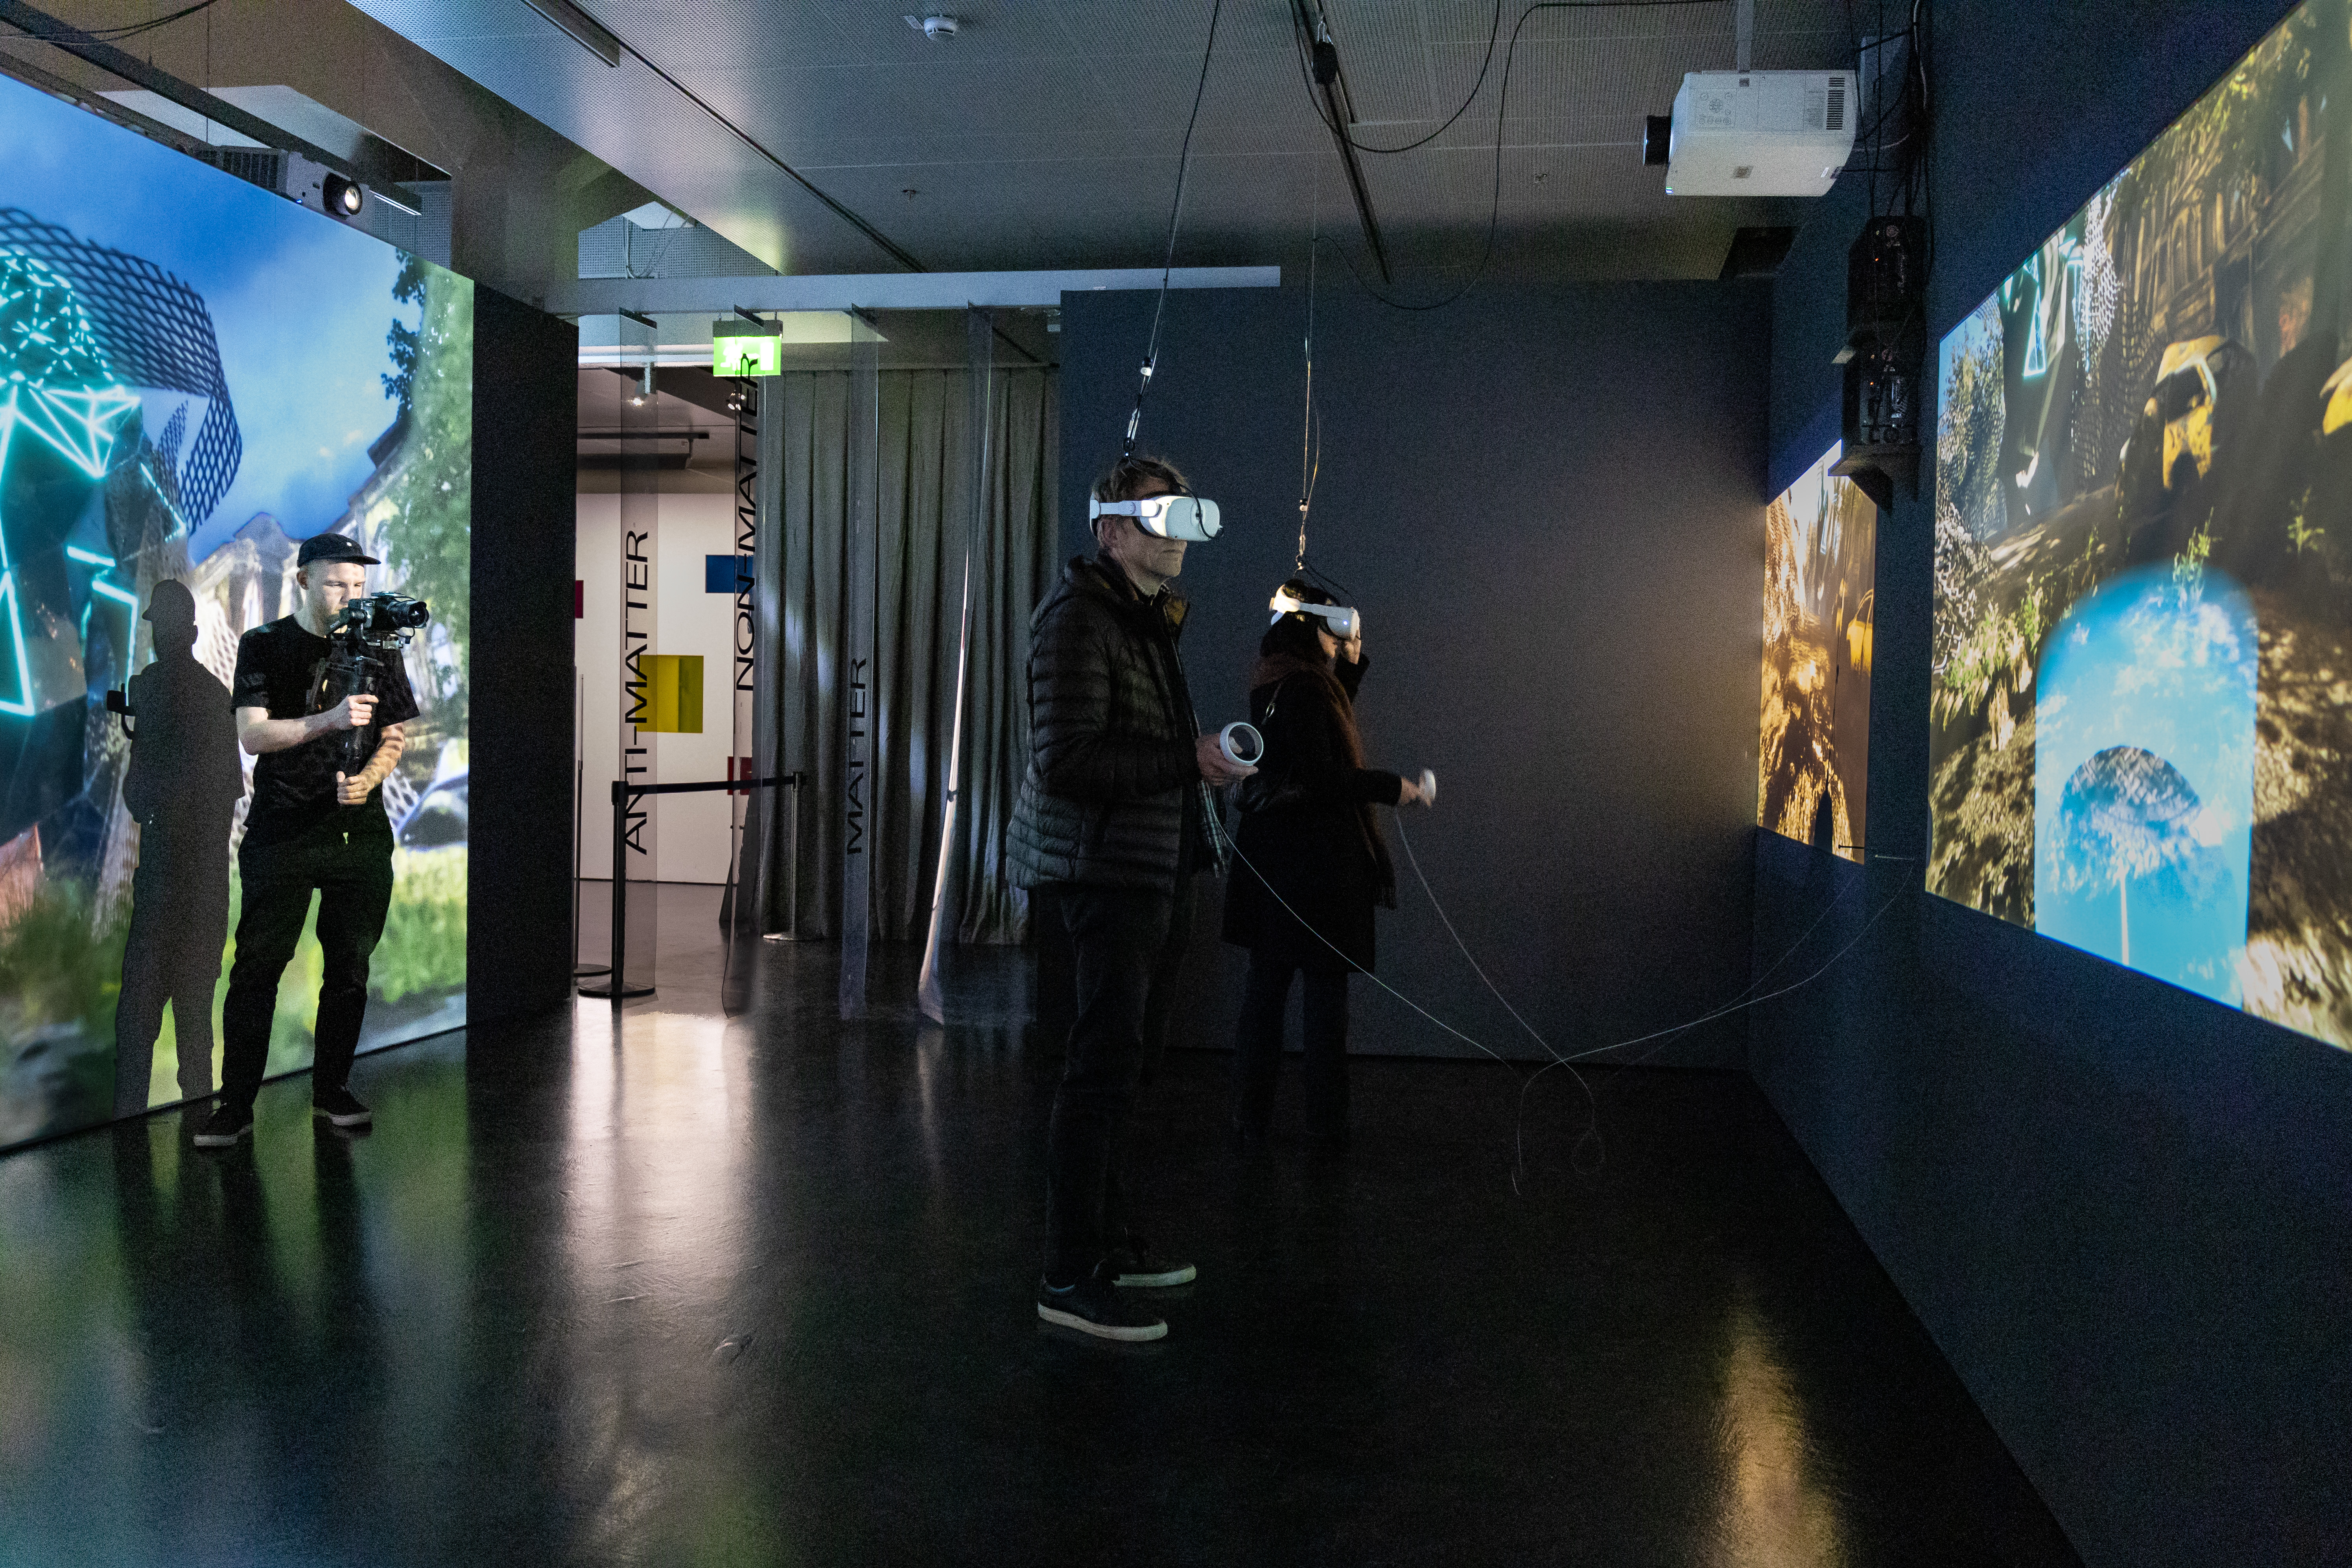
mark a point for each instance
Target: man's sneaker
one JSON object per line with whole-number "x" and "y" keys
{"x": 341, "y": 1107}
{"x": 1092, "y": 1307}
{"x": 1132, "y": 1265}
{"x": 224, "y": 1126}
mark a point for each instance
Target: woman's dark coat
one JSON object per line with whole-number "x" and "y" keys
{"x": 1315, "y": 841}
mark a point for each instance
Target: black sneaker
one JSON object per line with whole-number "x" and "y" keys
{"x": 1132, "y": 1266}
{"x": 1092, "y": 1307}
{"x": 224, "y": 1126}
{"x": 341, "y": 1107}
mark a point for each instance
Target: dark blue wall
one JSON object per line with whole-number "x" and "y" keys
{"x": 1545, "y": 502}
{"x": 2124, "y": 1212}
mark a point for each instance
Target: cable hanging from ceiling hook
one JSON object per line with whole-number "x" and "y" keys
{"x": 1175, "y": 217}
{"x": 1310, "y": 445}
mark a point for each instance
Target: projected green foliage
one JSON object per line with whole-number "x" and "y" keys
{"x": 431, "y": 541}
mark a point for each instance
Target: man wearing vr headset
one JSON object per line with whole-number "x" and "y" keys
{"x": 1113, "y": 818}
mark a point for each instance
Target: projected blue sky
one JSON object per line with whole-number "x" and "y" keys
{"x": 301, "y": 359}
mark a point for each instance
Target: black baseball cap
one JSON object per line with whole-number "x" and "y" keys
{"x": 332, "y": 547}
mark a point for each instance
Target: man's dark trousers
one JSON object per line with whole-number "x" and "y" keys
{"x": 351, "y": 871}
{"x": 1128, "y": 945}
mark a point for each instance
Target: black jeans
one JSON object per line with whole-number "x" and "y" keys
{"x": 352, "y": 875}
{"x": 1128, "y": 946}
{"x": 1257, "y": 1047}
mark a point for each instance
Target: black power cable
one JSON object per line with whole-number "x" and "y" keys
{"x": 1175, "y": 215}
{"x": 133, "y": 29}
{"x": 1306, "y": 74}
{"x": 1502, "y": 106}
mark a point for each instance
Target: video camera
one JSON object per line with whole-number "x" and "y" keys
{"x": 380, "y": 620}
{"x": 369, "y": 631}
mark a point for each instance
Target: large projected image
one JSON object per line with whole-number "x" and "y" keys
{"x": 196, "y": 375}
{"x": 2143, "y": 676}
{"x": 1812, "y": 762}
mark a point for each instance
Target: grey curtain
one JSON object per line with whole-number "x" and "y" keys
{"x": 925, "y": 506}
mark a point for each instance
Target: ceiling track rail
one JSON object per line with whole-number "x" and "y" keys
{"x": 1339, "y": 111}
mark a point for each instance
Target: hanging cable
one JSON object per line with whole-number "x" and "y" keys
{"x": 1310, "y": 446}
{"x": 1744, "y": 999}
{"x": 1175, "y": 216}
{"x": 120, "y": 32}
{"x": 1305, "y": 74}
{"x": 1502, "y": 106}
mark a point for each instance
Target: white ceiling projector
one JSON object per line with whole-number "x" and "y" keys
{"x": 1760, "y": 133}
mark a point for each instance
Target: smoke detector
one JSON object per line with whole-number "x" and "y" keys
{"x": 933, "y": 27}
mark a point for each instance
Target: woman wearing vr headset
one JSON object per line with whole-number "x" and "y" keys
{"x": 1307, "y": 829}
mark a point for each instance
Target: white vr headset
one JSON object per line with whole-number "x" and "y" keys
{"x": 1346, "y": 624}
{"x": 1188, "y": 517}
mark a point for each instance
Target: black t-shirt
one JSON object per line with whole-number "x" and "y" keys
{"x": 282, "y": 668}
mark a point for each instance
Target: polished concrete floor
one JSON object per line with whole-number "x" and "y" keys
{"x": 672, "y": 1288}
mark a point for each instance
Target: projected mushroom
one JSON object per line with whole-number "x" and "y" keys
{"x": 2124, "y": 814}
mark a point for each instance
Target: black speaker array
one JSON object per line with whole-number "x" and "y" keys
{"x": 1885, "y": 343}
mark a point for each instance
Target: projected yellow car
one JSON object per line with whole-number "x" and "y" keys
{"x": 2335, "y": 400}
{"x": 2189, "y": 383}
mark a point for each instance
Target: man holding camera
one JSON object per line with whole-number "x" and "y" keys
{"x": 314, "y": 824}
{"x": 1112, "y": 820}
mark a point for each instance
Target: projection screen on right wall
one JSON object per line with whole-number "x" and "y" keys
{"x": 2142, "y": 704}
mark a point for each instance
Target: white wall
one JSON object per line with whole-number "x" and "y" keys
{"x": 691, "y": 831}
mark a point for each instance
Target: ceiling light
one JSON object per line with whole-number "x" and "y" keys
{"x": 341, "y": 197}
{"x": 934, "y": 27}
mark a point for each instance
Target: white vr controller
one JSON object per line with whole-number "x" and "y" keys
{"x": 1242, "y": 745}
{"x": 1246, "y": 748}
{"x": 1346, "y": 624}
{"x": 1188, "y": 517}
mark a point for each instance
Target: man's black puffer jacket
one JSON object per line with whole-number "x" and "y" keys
{"x": 1111, "y": 770}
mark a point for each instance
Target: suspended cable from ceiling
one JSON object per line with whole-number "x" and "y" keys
{"x": 1502, "y": 106}
{"x": 1175, "y": 217}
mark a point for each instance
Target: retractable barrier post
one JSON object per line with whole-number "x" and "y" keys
{"x": 624, "y": 801}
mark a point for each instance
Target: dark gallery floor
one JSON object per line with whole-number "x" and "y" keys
{"x": 679, "y": 1289}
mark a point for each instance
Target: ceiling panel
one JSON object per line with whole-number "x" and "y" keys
{"x": 1045, "y": 134}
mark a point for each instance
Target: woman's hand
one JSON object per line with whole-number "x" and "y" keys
{"x": 1412, "y": 793}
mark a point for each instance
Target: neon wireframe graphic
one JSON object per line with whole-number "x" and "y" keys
{"x": 155, "y": 332}
{"x": 56, "y": 389}
{"x": 81, "y": 328}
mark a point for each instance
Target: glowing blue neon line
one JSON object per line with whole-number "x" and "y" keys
{"x": 23, "y": 705}
{"x": 79, "y": 554}
{"x": 111, "y": 592}
{"x": 148, "y": 475}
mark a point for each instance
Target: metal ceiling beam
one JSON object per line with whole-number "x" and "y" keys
{"x": 1340, "y": 114}
{"x": 48, "y": 30}
{"x": 98, "y": 103}
{"x": 874, "y": 291}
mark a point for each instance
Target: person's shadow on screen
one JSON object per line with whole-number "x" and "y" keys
{"x": 182, "y": 787}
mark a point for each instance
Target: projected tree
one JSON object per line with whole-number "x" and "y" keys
{"x": 2123, "y": 815}
{"x": 61, "y": 412}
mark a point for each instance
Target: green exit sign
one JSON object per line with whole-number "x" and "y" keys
{"x": 760, "y": 354}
